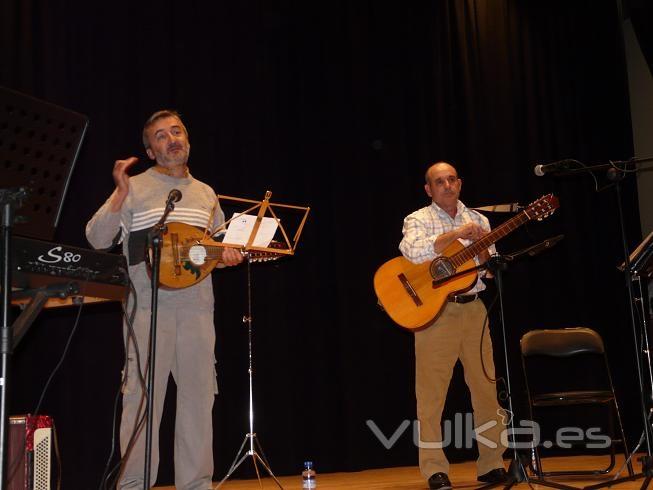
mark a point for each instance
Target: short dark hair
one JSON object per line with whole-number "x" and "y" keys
{"x": 155, "y": 117}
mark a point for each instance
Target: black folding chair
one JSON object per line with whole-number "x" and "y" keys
{"x": 573, "y": 347}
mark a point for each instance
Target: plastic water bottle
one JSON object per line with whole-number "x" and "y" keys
{"x": 308, "y": 476}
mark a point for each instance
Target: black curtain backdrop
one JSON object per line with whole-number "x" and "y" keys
{"x": 339, "y": 106}
{"x": 641, "y": 16}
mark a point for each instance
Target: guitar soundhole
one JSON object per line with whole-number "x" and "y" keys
{"x": 441, "y": 268}
{"x": 197, "y": 254}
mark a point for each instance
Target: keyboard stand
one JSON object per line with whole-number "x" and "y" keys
{"x": 39, "y": 297}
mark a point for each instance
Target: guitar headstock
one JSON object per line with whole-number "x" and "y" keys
{"x": 266, "y": 256}
{"x": 543, "y": 207}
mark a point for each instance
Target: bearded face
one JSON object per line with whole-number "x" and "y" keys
{"x": 168, "y": 143}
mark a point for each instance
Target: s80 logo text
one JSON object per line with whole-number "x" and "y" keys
{"x": 55, "y": 256}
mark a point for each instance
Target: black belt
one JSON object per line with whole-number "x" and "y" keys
{"x": 463, "y": 298}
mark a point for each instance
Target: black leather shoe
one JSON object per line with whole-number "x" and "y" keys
{"x": 439, "y": 481}
{"x": 497, "y": 475}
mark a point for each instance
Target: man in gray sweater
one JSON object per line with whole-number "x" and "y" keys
{"x": 185, "y": 332}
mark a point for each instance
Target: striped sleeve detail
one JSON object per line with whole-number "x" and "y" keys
{"x": 123, "y": 232}
{"x": 190, "y": 216}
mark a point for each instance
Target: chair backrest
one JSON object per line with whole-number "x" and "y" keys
{"x": 564, "y": 342}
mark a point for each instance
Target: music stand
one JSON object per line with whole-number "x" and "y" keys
{"x": 497, "y": 264}
{"x": 516, "y": 471}
{"x": 39, "y": 144}
{"x": 263, "y": 207}
{"x": 641, "y": 266}
{"x": 641, "y": 259}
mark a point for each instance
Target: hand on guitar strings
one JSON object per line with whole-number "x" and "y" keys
{"x": 471, "y": 231}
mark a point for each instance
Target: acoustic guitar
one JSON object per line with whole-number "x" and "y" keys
{"x": 187, "y": 256}
{"x": 414, "y": 295}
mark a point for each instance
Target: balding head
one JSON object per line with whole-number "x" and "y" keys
{"x": 434, "y": 168}
{"x": 443, "y": 185}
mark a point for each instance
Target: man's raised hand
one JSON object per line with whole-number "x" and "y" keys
{"x": 121, "y": 179}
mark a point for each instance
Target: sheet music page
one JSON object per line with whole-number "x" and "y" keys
{"x": 241, "y": 226}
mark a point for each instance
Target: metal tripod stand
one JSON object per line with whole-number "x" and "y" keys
{"x": 250, "y": 441}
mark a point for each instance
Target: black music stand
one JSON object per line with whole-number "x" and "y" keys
{"x": 39, "y": 144}
{"x": 641, "y": 266}
{"x": 641, "y": 259}
{"x": 497, "y": 264}
{"x": 516, "y": 471}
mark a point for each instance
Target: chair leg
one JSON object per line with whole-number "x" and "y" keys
{"x": 536, "y": 462}
{"x": 611, "y": 414}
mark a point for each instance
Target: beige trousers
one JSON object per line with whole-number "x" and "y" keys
{"x": 185, "y": 341}
{"x": 456, "y": 334}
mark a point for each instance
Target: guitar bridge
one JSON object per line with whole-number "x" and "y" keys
{"x": 409, "y": 289}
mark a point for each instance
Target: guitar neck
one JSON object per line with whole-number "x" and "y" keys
{"x": 213, "y": 252}
{"x": 495, "y": 235}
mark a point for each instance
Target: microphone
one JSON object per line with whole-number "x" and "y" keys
{"x": 174, "y": 196}
{"x": 547, "y": 168}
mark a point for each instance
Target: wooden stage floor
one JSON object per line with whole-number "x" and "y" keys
{"x": 462, "y": 475}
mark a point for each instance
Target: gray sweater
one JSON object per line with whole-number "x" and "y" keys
{"x": 140, "y": 211}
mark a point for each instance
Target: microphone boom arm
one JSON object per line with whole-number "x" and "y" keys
{"x": 500, "y": 261}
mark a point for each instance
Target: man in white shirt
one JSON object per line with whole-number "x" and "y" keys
{"x": 457, "y": 333}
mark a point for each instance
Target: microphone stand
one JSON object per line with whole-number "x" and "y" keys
{"x": 154, "y": 243}
{"x": 9, "y": 200}
{"x": 616, "y": 172}
{"x": 616, "y": 175}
